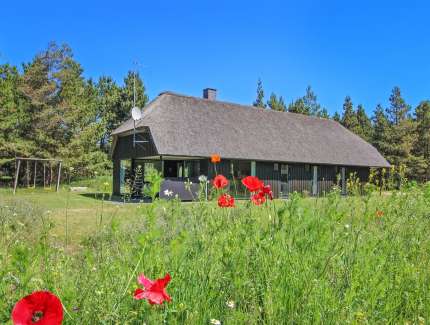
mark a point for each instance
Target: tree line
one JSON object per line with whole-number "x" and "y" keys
{"x": 48, "y": 109}
{"x": 401, "y": 134}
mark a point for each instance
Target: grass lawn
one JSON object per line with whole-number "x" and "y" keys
{"x": 83, "y": 210}
{"x": 333, "y": 260}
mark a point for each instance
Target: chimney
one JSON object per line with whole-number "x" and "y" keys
{"x": 209, "y": 93}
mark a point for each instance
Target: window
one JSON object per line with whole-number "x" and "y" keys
{"x": 284, "y": 169}
{"x": 124, "y": 174}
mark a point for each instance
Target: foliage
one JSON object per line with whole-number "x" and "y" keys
{"x": 276, "y": 104}
{"x": 259, "y": 101}
{"x": 349, "y": 118}
{"x": 360, "y": 259}
{"x": 154, "y": 179}
{"x": 308, "y": 105}
{"x": 48, "y": 109}
{"x": 421, "y": 145}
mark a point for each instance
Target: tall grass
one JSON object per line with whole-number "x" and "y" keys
{"x": 329, "y": 260}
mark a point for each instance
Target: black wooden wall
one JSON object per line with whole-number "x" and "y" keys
{"x": 124, "y": 147}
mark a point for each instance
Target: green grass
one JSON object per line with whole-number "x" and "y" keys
{"x": 82, "y": 211}
{"x": 301, "y": 261}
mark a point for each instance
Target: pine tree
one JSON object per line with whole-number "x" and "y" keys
{"x": 364, "y": 129}
{"x": 276, "y": 104}
{"x": 381, "y": 127}
{"x": 299, "y": 107}
{"x": 398, "y": 110}
{"x": 14, "y": 122}
{"x": 349, "y": 117}
{"x": 400, "y": 133}
{"x": 337, "y": 117}
{"x": 109, "y": 108}
{"x": 324, "y": 113}
{"x": 310, "y": 102}
{"x": 259, "y": 101}
{"x": 127, "y": 94}
{"x": 421, "y": 147}
{"x": 308, "y": 105}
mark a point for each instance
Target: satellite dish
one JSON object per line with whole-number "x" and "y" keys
{"x": 136, "y": 113}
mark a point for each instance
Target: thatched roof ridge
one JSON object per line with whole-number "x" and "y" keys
{"x": 190, "y": 126}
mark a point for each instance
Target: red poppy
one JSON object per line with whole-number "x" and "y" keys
{"x": 154, "y": 291}
{"x": 220, "y": 181}
{"x": 258, "y": 198}
{"x": 40, "y": 307}
{"x": 226, "y": 201}
{"x": 215, "y": 158}
{"x": 267, "y": 191}
{"x": 252, "y": 183}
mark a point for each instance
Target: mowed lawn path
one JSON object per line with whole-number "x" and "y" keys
{"x": 83, "y": 210}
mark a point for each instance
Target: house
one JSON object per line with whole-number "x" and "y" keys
{"x": 292, "y": 152}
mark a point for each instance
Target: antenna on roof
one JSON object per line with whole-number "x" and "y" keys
{"x": 136, "y": 112}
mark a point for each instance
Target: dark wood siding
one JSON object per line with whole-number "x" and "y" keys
{"x": 222, "y": 168}
{"x": 124, "y": 147}
{"x": 266, "y": 172}
{"x": 361, "y": 172}
{"x": 327, "y": 178}
{"x": 299, "y": 178}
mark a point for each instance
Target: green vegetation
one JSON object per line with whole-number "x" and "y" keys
{"x": 332, "y": 260}
{"x": 400, "y": 135}
{"x": 49, "y": 110}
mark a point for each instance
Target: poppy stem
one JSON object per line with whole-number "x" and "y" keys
{"x": 129, "y": 281}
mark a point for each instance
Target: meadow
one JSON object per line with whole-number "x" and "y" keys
{"x": 360, "y": 259}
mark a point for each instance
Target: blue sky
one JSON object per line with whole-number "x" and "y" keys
{"x": 356, "y": 48}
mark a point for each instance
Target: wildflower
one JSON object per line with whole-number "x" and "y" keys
{"x": 258, "y": 198}
{"x": 188, "y": 184}
{"x": 267, "y": 191}
{"x": 379, "y": 213}
{"x": 226, "y": 201}
{"x": 215, "y": 321}
{"x": 220, "y": 181}
{"x": 71, "y": 169}
{"x": 203, "y": 179}
{"x": 106, "y": 184}
{"x": 252, "y": 183}
{"x": 154, "y": 291}
{"x": 41, "y": 307}
{"x": 168, "y": 192}
{"x": 215, "y": 158}
{"x": 347, "y": 226}
{"x": 230, "y": 304}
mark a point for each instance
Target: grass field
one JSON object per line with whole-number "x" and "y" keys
{"x": 333, "y": 260}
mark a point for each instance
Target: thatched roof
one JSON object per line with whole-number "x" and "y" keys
{"x": 189, "y": 126}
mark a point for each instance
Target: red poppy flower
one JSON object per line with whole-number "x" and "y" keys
{"x": 252, "y": 183}
{"x": 40, "y": 307}
{"x": 226, "y": 201}
{"x": 154, "y": 291}
{"x": 267, "y": 191}
{"x": 258, "y": 198}
{"x": 220, "y": 181}
{"x": 215, "y": 158}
